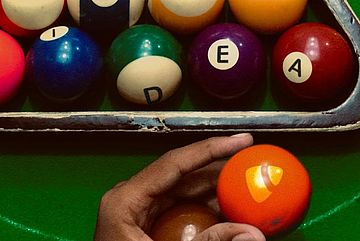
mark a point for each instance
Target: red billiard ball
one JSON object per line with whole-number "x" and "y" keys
{"x": 27, "y": 18}
{"x": 183, "y": 222}
{"x": 12, "y": 66}
{"x": 313, "y": 62}
{"x": 265, "y": 186}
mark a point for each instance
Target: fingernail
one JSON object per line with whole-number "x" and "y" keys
{"x": 242, "y": 135}
{"x": 244, "y": 237}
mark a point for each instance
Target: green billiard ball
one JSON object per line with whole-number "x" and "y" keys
{"x": 145, "y": 61}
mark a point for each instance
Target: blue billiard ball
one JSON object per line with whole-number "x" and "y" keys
{"x": 63, "y": 63}
{"x": 105, "y": 15}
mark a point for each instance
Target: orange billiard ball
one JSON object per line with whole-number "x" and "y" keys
{"x": 185, "y": 16}
{"x": 268, "y": 16}
{"x": 265, "y": 186}
{"x": 183, "y": 222}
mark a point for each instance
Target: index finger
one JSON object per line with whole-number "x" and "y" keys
{"x": 164, "y": 173}
{"x": 231, "y": 231}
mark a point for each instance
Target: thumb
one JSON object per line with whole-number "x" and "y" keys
{"x": 230, "y": 232}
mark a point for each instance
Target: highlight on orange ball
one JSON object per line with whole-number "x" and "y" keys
{"x": 186, "y": 16}
{"x": 265, "y": 186}
{"x": 268, "y": 16}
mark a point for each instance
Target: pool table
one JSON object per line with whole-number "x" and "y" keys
{"x": 51, "y": 183}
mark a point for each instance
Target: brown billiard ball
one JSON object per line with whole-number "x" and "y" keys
{"x": 183, "y": 222}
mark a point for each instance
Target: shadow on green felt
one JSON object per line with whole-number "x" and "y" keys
{"x": 294, "y": 236}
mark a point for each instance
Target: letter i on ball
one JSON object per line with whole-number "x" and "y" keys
{"x": 26, "y": 18}
{"x": 105, "y": 15}
{"x": 145, "y": 61}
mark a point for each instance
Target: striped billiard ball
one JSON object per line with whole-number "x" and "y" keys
{"x": 105, "y": 15}
{"x": 185, "y": 16}
{"x": 145, "y": 61}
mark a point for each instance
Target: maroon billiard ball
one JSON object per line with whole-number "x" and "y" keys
{"x": 313, "y": 63}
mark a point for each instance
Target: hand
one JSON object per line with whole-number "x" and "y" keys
{"x": 128, "y": 210}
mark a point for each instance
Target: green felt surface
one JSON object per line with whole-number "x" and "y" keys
{"x": 51, "y": 184}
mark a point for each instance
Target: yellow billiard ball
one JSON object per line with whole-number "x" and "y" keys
{"x": 185, "y": 16}
{"x": 268, "y": 16}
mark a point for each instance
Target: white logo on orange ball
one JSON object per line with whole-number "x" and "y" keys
{"x": 262, "y": 179}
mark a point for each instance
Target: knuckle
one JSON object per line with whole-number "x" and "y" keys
{"x": 210, "y": 147}
{"x": 170, "y": 154}
{"x": 120, "y": 184}
{"x": 110, "y": 199}
{"x": 106, "y": 199}
{"x": 212, "y": 235}
{"x": 229, "y": 226}
{"x": 171, "y": 157}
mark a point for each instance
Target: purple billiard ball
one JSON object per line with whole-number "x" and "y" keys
{"x": 226, "y": 60}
